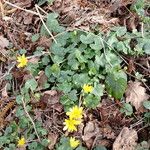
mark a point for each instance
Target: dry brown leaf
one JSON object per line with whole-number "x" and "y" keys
{"x": 34, "y": 60}
{"x": 3, "y": 42}
{"x": 50, "y": 97}
{"x": 91, "y": 130}
{"x": 38, "y": 115}
{"x": 4, "y": 91}
{"x": 126, "y": 140}
{"x": 53, "y": 139}
{"x": 136, "y": 94}
{"x": 108, "y": 132}
{"x": 27, "y": 18}
{"x": 42, "y": 79}
{"x": 45, "y": 42}
{"x": 58, "y": 107}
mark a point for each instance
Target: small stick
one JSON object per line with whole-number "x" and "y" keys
{"x": 142, "y": 29}
{"x": 24, "y": 106}
{"x": 42, "y": 10}
{"x": 37, "y": 9}
{"x": 26, "y": 10}
{"x": 2, "y": 9}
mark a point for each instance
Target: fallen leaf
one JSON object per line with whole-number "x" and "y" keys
{"x": 3, "y": 42}
{"x": 38, "y": 115}
{"x": 126, "y": 140}
{"x": 91, "y": 130}
{"x": 51, "y": 97}
{"x": 136, "y": 94}
{"x": 34, "y": 60}
{"x": 45, "y": 42}
{"x": 58, "y": 107}
{"x": 53, "y": 139}
{"x": 42, "y": 79}
{"x": 4, "y": 91}
{"x": 27, "y": 18}
{"x": 108, "y": 132}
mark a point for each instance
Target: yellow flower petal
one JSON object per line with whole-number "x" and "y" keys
{"x": 74, "y": 143}
{"x": 70, "y": 124}
{"x": 75, "y": 113}
{"x": 87, "y": 88}
{"x": 21, "y": 142}
{"x": 22, "y": 60}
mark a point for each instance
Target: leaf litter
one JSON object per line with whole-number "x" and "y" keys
{"x": 103, "y": 129}
{"x": 136, "y": 94}
{"x": 126, "y": 140}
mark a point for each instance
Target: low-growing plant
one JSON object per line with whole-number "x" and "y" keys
{"x": 82, "y": 65}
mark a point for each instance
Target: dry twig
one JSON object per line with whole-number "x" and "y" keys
{"x": 24, "y": 106}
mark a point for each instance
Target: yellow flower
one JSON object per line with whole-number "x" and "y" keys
{"x": 74, "y": 143}
{"x": 87, "y": 88}
{"x": 21, "y": 142}
{"x": 75, "y": 112}
{"x": 22, "y": 60}
{"x": 70, "y": 124}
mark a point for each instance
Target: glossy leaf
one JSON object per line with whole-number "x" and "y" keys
{"x": 116, "y": 84}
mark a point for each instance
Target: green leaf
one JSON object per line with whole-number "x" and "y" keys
{"x": 147, "y": 115}
{"x": 57, "y": 59}
{"x": 81, "y": 148}
{"x": 39, "y": 50}
{"x": 108, "y": 60}
{"x": 72, "y": 62}
{"x": 62, "y": 39}
{"x": 23, "y": 122}
{"x": 73, "y": 95}
{"x": 116, "y": 84}
{"x": 66, "y": 102}
{"x": 65, "y": 87}
{"x": 19, "y": 99}
{"x": 87, "y": 39}
{"x": 33, "y": 68}
{"x": 146, "y": 104}
{"x": 121, "y": 47}
{"x": 98, "y": 45}
{"x": 53, "y": 24}
{"x": 112, "y": 41}
{"x": 55, "y": 70}
{"x": 93, "y": 68}
{"x": 80, "y": 57}
{"x": 63, "y": 144}
{"x": 127, "y": 109}
{"x": 31, "y": 84}
{"x": 48, "y": 72}
{"x": 65, "y": 76}
{"x": 12, "y": 146}
{"x": 91, "y": 101}
{"x": 138, "y": 7}
{"x": 100, "y": 148}
{"x": 41, "y": 2}
{"x": 32, "y": 145}
{"x": 45, "y": 60}
{"x": 120, "y": 31}
{"x": 146, "y": 48}
{"x": 98, "y": 90}
{"x": 35, "y": 37}
{"x": 57, "y": 49}
{"x": 50, "y": 1}
{"x": 80, "y": 79}
{"x": 45, "y": 142}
